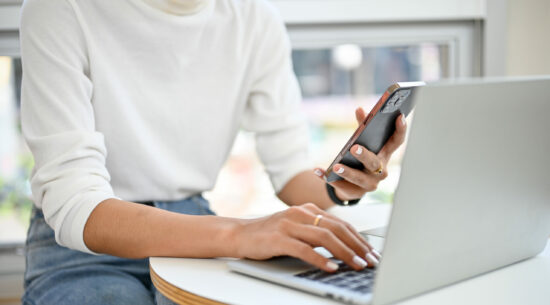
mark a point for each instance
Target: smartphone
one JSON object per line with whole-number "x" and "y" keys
{"x": 378, "y": 126}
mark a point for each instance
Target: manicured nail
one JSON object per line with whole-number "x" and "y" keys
{"x": 372, "y": 259}
{"x": 332, "y": 266}
{"x": 403, "y": 122}
{"x": 340, "y": 170}
{"x": 318, "y": 172}
{"x": 359, "y": 150}
{"x": 359, "y": 261}
{"x": 376, "y": 252}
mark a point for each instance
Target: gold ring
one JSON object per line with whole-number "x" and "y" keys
{"x": 380, "y": 169}
{"x": 317, "y": 220}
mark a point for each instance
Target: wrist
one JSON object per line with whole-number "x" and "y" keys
{"x": 341, "y": 196}
{"x": 230, "y": 237}
{"x": 333, "y": 195}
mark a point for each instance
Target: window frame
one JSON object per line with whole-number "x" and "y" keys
{"x": 346, "y": 11}
{"x": 462, "y": 39}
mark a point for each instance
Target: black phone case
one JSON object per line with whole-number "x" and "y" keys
{"x": 378, "y": 131}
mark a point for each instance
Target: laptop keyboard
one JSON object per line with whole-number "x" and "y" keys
{"x": 358, "y": 281}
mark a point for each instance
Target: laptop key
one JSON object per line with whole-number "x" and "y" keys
{"x": 359, "y": 281}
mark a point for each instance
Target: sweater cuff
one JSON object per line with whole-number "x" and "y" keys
{"x": 73, "y": 234}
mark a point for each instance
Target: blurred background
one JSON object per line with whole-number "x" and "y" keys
{"x": 345, "y": 54}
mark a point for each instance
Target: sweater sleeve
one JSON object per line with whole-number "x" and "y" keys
{"x": 273, "y": 110}
{"x": 69, "y": 178}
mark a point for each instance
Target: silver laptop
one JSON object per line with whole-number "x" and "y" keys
{"x": 473, "y": 196}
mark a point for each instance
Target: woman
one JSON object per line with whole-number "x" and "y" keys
{"x": 130, "y": 108}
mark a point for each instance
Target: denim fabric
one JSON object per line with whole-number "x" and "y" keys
{"x": 58, "y": 275}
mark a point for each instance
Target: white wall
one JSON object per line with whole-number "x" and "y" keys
{"x": 528, "y": 37}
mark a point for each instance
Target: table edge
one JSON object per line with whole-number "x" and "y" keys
{"x": 177, "y": 294}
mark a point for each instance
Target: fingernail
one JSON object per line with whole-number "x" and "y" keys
{"x": 332, "y": 266}
{"x": 372, "y": 259}
{"x": 376, "y": 252}
{"x": 359, "y": 261}
{"x": 359, "y": 150}
{"x": 318, "y": 172}
{"x": 340, "y": 170}
{"x": 403, "y": 122}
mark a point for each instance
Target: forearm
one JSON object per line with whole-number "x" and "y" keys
{"x": 132, "y": 230}
{"x": 306, "y": 187}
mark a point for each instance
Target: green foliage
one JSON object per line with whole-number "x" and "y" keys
{"x": 380, "y": 196}
{"x": 15, "y": 194}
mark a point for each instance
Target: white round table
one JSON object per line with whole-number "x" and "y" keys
{"x": 208, "y": 281}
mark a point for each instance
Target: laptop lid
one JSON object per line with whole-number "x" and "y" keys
{"x": 474, "y": 193}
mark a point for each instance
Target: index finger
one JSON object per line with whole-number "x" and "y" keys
{"x": 360, "y": 115}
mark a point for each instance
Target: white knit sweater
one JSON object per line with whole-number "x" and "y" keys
{"x": 124, "y": 100}
{"x": 178, "y": 7}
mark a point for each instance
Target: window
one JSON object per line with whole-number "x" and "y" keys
{"x": 15, "y": 158}
{"x": 352, "y": 70}
{"x": 334, "y": 81}
{"x": 342, "y": 64}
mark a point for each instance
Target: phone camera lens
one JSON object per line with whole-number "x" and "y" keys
{"x": 404, "y": 93}
{"x": 392, "y": 104}
{"x": 393, "y": 99}
{"x": 398, "y": 103}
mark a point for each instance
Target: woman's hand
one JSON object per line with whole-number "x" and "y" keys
{"x": 356, "y": 182}
{"x": 293, "y": 232}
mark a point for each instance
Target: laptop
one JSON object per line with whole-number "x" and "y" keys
{"x": 473, "y": 195}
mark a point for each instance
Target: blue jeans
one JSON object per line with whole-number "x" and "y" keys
{"x": 58, "y": 275}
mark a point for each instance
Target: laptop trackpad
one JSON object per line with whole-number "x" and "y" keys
{"x": 375, "y": 237}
